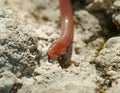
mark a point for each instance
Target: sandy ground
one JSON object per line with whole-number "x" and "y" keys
{"x": 28, "y": 29}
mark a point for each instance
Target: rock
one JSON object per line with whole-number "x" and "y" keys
{"x": 108, "y": 63}
{"x": 108, "y": 58}
{"x": 15, "y": 47}
{"x": 89, "y": 31}
{"x": 7, "y": 80}
{"x": 115, "y": 88}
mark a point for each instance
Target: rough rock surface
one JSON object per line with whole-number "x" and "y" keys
{"x": 29, "y": 27}
{"x": 16, "y": 59}
{"x": 108, "y": 62}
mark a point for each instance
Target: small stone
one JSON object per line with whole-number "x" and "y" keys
{"x": 2, "y": 12}
{"x": 11, "y": 23}
{"x": 111, "y": 72}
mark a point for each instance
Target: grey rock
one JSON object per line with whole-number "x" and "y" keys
{"x": 7, "y": 80}
{"x": 108, "y": 58}
{"x": 16, "y": 48}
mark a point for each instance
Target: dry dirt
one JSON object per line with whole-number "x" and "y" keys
{"x": 28, "y": 29}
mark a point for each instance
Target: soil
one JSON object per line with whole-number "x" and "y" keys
{"x": 29, "y": 28}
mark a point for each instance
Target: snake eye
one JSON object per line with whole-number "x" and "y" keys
{"x": 51, "y": 53}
